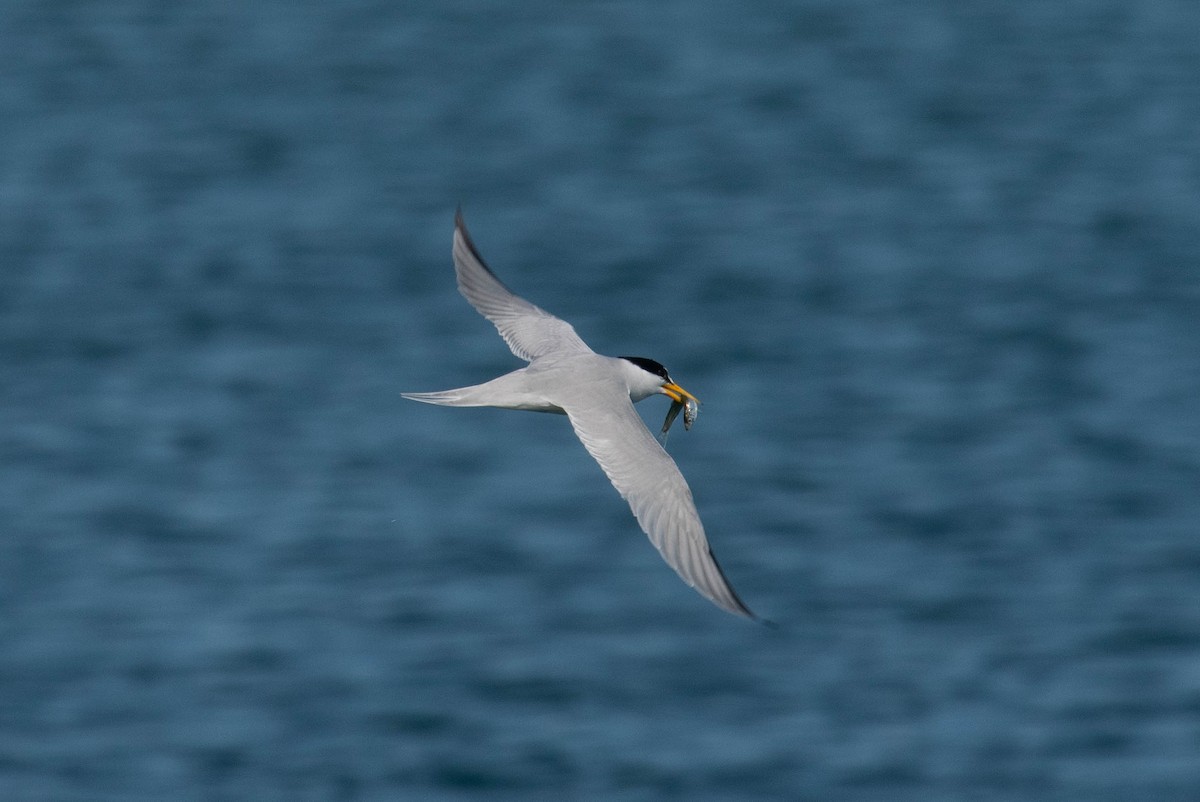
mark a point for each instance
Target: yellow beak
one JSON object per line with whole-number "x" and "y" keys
{"x": 677, "y": 393}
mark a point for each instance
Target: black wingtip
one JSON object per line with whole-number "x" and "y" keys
{"x": 741, "y": 609}
{"x": 757, "y": 619}
{"x": 460, "y": 225}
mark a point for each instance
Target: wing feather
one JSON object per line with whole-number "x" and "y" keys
{"x": 529, "y": 330}
{"x": 646, "y": 477}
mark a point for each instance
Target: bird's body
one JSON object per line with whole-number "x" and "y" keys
{"x": 597, "y": 394}
{"x": 550, "y": 384}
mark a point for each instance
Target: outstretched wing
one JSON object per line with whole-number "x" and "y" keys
{"x": 530, "y": 331}
{"x": 649, "y": 480}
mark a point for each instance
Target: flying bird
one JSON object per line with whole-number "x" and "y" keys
{"x": 597, "y": 394}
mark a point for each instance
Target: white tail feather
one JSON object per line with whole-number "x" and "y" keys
{"x": 446, "y": 398}
{"x": 507, "y": 392}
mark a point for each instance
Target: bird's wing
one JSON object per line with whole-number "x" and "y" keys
{"x": 646, "y": 476}
{"x": 530, "y": 331}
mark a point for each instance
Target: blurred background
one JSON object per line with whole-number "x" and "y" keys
{"x": 932, "y": 268}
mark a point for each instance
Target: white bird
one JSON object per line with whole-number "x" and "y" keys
{"x": 597, "y": 394}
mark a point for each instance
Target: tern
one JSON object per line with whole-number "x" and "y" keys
{"x": 597, "y": 394}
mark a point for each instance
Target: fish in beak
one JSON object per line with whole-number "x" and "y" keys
{"x": 681, "y": 399}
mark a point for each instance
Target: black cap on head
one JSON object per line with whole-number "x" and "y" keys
{"x": 649, "y": 365}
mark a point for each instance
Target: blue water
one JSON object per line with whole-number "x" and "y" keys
{"x": 933, "y": 268}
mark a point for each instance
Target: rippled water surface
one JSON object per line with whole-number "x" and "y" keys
{"x": 932, "y": 268}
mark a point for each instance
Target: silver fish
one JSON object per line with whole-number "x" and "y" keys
{"x": 690, "y": 410}
{"x": 672, "y": 414}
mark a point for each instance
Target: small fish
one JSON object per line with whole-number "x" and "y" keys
{"x": 672, "y": 414}
{"x": 690, "y": 410}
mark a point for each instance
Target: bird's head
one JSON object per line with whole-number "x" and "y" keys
{"x": 651, "y": 378}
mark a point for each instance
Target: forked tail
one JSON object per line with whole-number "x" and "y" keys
{"x": 461, "y": 397}
{"x": 506, "y": 392}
